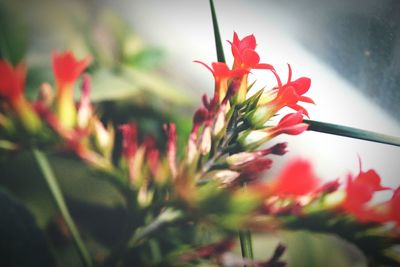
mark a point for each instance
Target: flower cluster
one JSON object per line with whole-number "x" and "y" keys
{"x": 217, "y": 183}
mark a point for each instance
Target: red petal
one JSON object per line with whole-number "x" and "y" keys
{"x": 264, "y": 66}
{"x": 395, "y": 206}
{"x": 301, "y": 85}
{"x": 205, "y": 65}
{"x": 12, "y": 80}
{"x": 296, "y": 179}
{"x": 291, "y": 119}
{"x": 250, "y": 58}
{"x": 299, "y": 108}
{"x": 372, "y": 179}
{"x": 221, "y": 70}
{"x": 248, "y": 42}
{"x": 306, "y": 99}
{"x": 67, "y": 68}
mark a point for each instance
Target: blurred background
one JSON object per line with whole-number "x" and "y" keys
{"x": 144, "y": 70}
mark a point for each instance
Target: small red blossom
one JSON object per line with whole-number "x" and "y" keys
{"x": 296, "y": 179}
{"x": 359, "y": 191}
{"x": 243, "y": 51}
{"x": 291, "y": 124}
{"x": 12, "y": 80}
{"x": 12, "y": 85}
{"x": 292, "y": 92}
{"x": 67, "y": 68}
{"x": 222, "y": 74}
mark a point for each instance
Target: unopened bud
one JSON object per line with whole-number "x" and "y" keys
{"x": 46, "y": 95}
{"x": 85, "y": 108}
{"x": 219, "y": 122}
{"x": 250, "y": 140}
{"x": 259, "y": 116}
{"x": 240, "y": 159}
{"x": 205, "y": 141}
{"x": 225, "y": 177}
{"x": 104, "y": 137}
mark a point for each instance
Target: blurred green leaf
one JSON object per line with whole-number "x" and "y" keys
{"x": 22, "y": 242}
{"x": 13, "y": 35}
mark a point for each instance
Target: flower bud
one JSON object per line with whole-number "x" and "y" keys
{"x": 46, "y": 95}
{"x": 85, "y": 108}
{"x": 104, "y": 137}
{"x": 250, "y": 140}
{"x": 205, "y": 141}
{"x": 219, "y": 122}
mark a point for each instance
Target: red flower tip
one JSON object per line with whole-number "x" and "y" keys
{"x": 329, "y": 187}
{"x": 129, "y": 139}
{"x": 301, "y": 85}
{"x": 278, "y": 149}
{"x": 248, "y": 42}
{"x": 371, "y": 179}
{"x": 253, "y": 169}
{"x": 292, "y": 124}
{"x": 296, "y": 179}
{"x": 199, "y": 117}
{"x": 67, "y": 68}
{"x": 12, "y": 80}
{"x": 359, "y": 192}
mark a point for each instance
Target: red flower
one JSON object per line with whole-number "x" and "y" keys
{"x": 296, "y": 179}
{"x": 67, "y": 68}
{"x": 291, "y": 124}
{"x": 292, "y": 92}
{"x": 12, "y": 80}
{"x": 222, "y": 74}
{"x": 245, "y": 55}
{"x": 12, "y": 85}
{"x": 359, "y": 192}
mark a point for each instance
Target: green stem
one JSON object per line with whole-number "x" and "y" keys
{"x": 58, "y": 198}
{"x": 217, "y": 36}
{"x": 329, "y": 128}
{"x": 246, "y": 245}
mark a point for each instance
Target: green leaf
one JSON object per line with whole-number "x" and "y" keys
{"x": 58, "y": 197}
{"x": 22, "y": 242}
{"x": 330, "y": 128}
{"x": 13, "y": 37}
{"x": 218, "y": 43}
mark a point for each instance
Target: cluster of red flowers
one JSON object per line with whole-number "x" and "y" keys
{"x": 223, "y": 145}
{"x": 299, "y": 184}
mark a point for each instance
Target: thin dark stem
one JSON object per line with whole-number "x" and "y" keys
{"x": 330, "y": 128}
{"x": 59, "y": 200}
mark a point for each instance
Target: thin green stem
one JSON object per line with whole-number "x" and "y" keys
{"x": 217, "y": 36}
{"x": 330, "y": 128}
{"x": 58, "y": 198}
{"x": 246, "y": 245}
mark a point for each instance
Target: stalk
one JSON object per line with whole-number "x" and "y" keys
{"x": 330, "y": 128}
{"x": 59, "y": 200}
